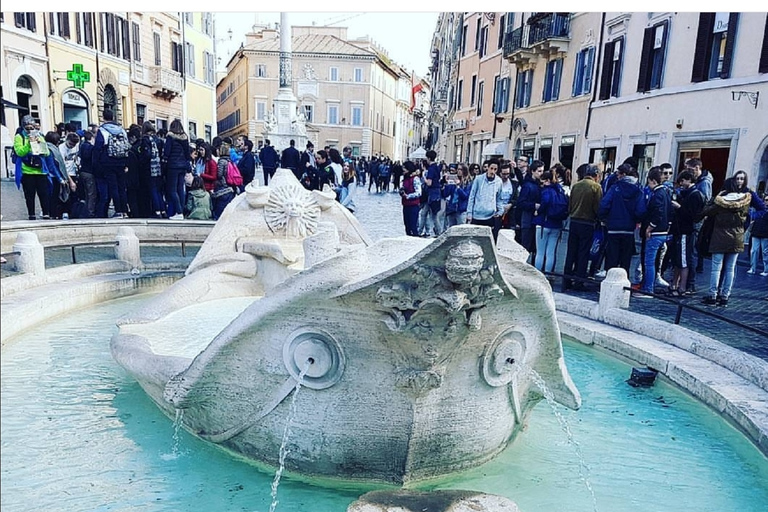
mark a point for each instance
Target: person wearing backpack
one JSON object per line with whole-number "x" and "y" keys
{"x": 549, "y": 217}
{"x": 177, "y": 159}
{"x": 222, "y": 193}
{"x": 110, "y": 156}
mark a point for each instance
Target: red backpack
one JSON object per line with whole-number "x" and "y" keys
{"x": 234, "y": 178}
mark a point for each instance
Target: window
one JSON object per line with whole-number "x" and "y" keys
{"x": 483, "y": 41}
{"x": 473, "y": 91}
{"x": 309, "y": 111}
{"x": 208, "y": 133}
{"x": 358, "y": 74}
{"x": 187, "y": 16}
{"x": 502, "y": 29}
{"x": 763, "y": 66}
{"x": 192, "y": 130}
{"x": 464, "y": 40}
{"x": 156, "y": 37}
{"x": 334, "y": 74}
{"x": 582, "y": 76}
{"x": 111, "y": 37}
{"x": 208, "y": 23}
{"x": 209, "y": 68}
{"x": 25, "y": 20}
{"x": 460, "y": 95}
{"x": 552, "y": 80}
{"x": 141, "y": 113}
{"x": 333, "y": 114}
{"x": 523, "y": 93}
{"x": 357, "y": 116}
{"x": 177, "y": 58}
{"x": 611, "y": 76}
{"x": 502, "y": 95}
{"x": 189, "y": 49}
{"x": 125, "y": 37}
{"x": 652, "y": 57}
{"x": 63, "y": 21}
{"x": 261, "y": 70}
{"x": 480, "y": 93}
{"x": 261, "y": 111}
{"x": 477, "y": 31}
{"x": 89, "y": 20}
{"x": 136, "y": 42}
{"x": 714, "y": 45}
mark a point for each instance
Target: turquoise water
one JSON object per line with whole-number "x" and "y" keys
{"x": 78, "y": 434}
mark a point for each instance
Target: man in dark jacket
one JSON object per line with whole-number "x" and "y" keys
{"x": 291, "y": 159}
{"x": 655, "y": 226}
{"x": 582, "y": 210}
{"x": 247, "y": 163}
{"x": 622, "y": 207}
{"x": 87, "y": 189}
{"x": 527, "y": 203}
{"x": 110, "y": 156}
{"x": 269, "y": 160}
{"x": 688, "y": 208}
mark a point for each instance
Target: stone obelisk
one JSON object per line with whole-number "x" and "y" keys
{"x": 285, "y": 121}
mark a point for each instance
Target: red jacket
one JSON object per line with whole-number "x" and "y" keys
{"x": 210, "y": 175}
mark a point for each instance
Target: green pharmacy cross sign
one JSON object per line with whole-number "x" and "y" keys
{"x": 77, "y": 76}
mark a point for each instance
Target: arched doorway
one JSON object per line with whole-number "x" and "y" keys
{"x": 26, "y": 97}
{"x": 108, "y": 95}
{"x": 110, "y": 99}
{"x": 75, "y": 108}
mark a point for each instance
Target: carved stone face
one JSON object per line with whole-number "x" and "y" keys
{"x": 464, "y": 263}
{"x": 293, "y": 210}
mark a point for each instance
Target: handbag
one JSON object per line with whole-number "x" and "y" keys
{"x": 64, "y": 191}
{"x": 705, "y": 236}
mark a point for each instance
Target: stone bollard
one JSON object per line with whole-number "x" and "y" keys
{"x": 612, "y": 292}
{"x": 127, "y": 248}
{"x": 322, "y": 245}
{"x": 31, "y": 258}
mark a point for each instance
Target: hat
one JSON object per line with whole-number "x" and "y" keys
{"x": 27, "y": 120}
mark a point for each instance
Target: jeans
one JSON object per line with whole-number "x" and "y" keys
{"x": 652, "y": 247}
{"x": 411, "y": 220}
{"x": 111, "y": 185}
{"x": 580, "y": 236}
{"x": 546, "y": 247}
{"x": 619, "y": 249}
{"x": 88, "y": 191}
{"x": 528, "y": 239}
{"x": 174, "y": 191}
{"x": 455, "y": 218}
{"x": 720, "y": 260}
{"x": 758, "y": 245}
{"x": 156, "y": 194}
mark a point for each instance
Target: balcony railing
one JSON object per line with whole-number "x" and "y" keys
{"x": 167, "y": 82}
{"x": 513, "y": 41}
{"x": 548, "y": 26}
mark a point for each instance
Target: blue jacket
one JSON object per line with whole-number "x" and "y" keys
{"x": 530, "y": 194}
{"x": 658, "y": 214}
{"x": 548, "y": 194}
{"x": 268, "y": 157}
{"x": 456, "y": 197}
{"x": 433, "y": 173}
{"x": 622, "y": 207}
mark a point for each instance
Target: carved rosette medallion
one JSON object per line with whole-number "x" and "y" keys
{"x": 292, "y": 211}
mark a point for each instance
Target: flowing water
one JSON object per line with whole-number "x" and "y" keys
{"x": 79, "y": 434}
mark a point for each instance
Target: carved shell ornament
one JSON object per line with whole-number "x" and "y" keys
{"x": 292, "y": 209}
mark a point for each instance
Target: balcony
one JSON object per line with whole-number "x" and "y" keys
{"x": 167, "y": 83}
{"x": 548, "y": 33}
{"x": 516, "y": 47}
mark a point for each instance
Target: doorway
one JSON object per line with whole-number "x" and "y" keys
{"x": 714, "y": 160}
{"x": 566, "y": 156}
{"x": 545, "y": 155}
{"x": 75, "y": 109}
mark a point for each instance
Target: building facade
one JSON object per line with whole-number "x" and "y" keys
{"x": 198, "y": 106}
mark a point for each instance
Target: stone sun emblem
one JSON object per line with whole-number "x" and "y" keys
{"x": 292, "y": 209}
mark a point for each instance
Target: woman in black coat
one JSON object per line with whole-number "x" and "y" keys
{"x": 177, "y": 158}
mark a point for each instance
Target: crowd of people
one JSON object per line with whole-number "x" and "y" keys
{"x": 659, "y": 231}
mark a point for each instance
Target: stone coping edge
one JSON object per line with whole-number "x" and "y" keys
{"x": 26, "y": 309}
{"x": 735, "y": 397}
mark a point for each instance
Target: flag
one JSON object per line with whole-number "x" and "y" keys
{"x": 414, "y": 89}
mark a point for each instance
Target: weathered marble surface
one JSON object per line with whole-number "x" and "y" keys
{"x": 434, "y": 501}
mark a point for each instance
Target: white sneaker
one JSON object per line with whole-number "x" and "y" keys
{"x": 601, "y": 274}
{"x": 750, "y": 271}
{"x": 764, "y": 274}
{"x": 178, "y": 216}
{"x": 661, "y": 282}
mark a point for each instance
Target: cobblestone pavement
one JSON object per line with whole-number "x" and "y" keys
{"x": 381, "y": 216}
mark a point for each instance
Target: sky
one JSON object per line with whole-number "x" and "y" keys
{"x": 406, "y": 36}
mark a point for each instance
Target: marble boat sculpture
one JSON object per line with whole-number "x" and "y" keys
{"x": 416, "y": 352}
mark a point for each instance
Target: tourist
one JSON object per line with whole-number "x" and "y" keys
{"x": 385, "y": 174}
{"x": 237, "y": 151}
{"x": 150, "y": 168}
{"x": 269, "y": 160}
{"x": 335, "y": 165}
{"x": 136, "y": 205}
{"x": 510, "y": 192}
{"x": 198, "y": 204}
{"x": 729, "y": 212}
{"x": 373, "y": 171}
{"x": 210, "y": 175}
{"x": 527, "y": 202}
{"x": 348, "y": 186}
{"x": 434, "y": 200}
{"x": 621, "y": 208}
{"x": 362, "y": 169}
{"x": 87, "y": 186}
{"x": 222, "y": 193}
{"x": 29, "y": 148}
{"x": 110, "y": 156}
{"x": 410, "y": 196}
{"x": 688, "y": 209}
{"x": 307, "y": 159}
{"x": 247, "y": 163}
{"x": 759, "y": 242}
{"x": 484, "y": 206}
{"x": 65, "y": 185}
{"x": 290, "y": 158}
{"x": 177, "y": 158}
{"x": 397, "y": 175}
{"x": 474, "y": 170}
{"x": 583, "y": 207}
{"x": 548, "y": 218}
{"x": 456, "y": 194}
{"x": 654, "y": 228}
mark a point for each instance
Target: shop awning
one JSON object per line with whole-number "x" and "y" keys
{"x": 495, "y": 149}
{"x": 418, "y": 153}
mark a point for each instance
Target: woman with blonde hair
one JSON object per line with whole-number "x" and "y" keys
{"x": 348, "y": 186}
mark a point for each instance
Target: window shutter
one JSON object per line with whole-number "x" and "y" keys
{"x": 763, "y": 66}
{"x": 733, "y": 23}
{"x": 78, "y": 31}
{"x": 616, "y": 71}
{"x": 577, "y": 74}
{"x": 644, "y": 76}
{"x": 31, "y": 21}
{"x": 18, "y": 19}
{"x": 589, "y": 71}
{"x": 703, "y": 51}
{"x": 558, "y": 75}
{"x": 605, "y": 74}
{"x": 126, "y": 40}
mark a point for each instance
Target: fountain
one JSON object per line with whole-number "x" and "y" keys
{"x": 416, "y": 348}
